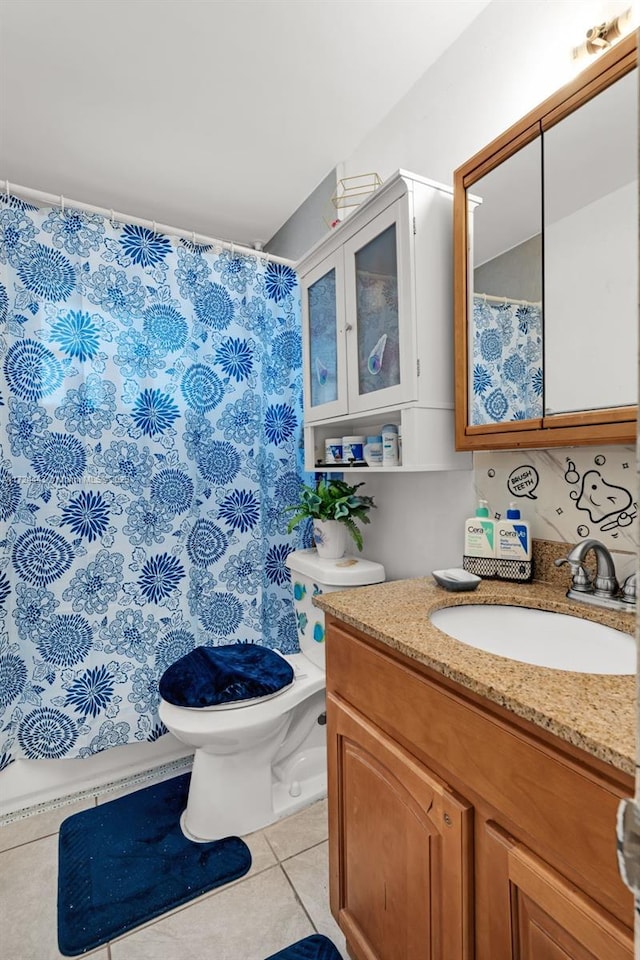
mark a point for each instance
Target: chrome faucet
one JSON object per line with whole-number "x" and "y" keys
{"x": 603, "y": 589}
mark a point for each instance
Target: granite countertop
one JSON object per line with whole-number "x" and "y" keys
{"x": 594, "y": 712}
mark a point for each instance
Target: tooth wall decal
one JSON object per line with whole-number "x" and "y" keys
{"x": 601, "y": 499}
{"x": 374, "y": 363}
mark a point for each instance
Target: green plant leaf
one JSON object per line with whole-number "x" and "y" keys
{"x": 332, "y": 500}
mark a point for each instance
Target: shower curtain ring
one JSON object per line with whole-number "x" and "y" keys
{"x": 154, "y": 226}
{"x": 61, "y": 204}
{"x": 8, "y": 190}
{"x": 193, "y": 238}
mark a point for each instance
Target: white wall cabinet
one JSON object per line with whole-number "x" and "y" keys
{"x": 378, "y": 326}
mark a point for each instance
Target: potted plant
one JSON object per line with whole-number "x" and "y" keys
{"x": 334, "y": 507}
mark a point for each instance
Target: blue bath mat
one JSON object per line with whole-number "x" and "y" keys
{"x": 125, "y": 862}
{"x": 316, "y": 947}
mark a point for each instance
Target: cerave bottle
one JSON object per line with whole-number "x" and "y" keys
{"x": 513, "y": 547}
{"x": 479, "y": 543}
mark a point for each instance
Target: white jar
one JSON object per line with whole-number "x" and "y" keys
{"x": 390, "y": 445}
{"x": 352, "y": 448}
{"x": 333, "y": 450}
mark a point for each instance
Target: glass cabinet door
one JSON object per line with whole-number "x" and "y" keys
{"x": 376, "y": 266}
{"x": 376, "y": 313}
{"x": 323, "y": 312}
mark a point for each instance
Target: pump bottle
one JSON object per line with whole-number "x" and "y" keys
{"x": 479, "y": 543}
{"x": 513, "y": 547}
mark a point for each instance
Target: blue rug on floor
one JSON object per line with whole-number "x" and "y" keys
{"x": 125, "y": 862}
{"x": 316, "y": 947}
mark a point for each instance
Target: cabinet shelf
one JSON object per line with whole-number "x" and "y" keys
{"x": 400, "y": 468}
{"x": 427, "y": 439}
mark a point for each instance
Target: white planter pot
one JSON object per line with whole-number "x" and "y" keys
{"x": 331, "y": 538}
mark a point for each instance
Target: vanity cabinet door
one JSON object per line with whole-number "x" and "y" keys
{"x": 539, "y": 915}
{"x": 400, "y": 848}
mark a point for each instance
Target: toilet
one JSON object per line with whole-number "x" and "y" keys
{"x": 259, "y": 759}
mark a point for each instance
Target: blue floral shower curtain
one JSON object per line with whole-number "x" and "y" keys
{"x": 507, "y": 360}
{"x": 150, "y": 418}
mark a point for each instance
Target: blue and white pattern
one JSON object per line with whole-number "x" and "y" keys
{"x": 150, "y": 422}
{"x": 507, "y": 361}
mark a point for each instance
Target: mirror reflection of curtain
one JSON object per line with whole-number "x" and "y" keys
{"x": 150, "y": 414}
{"x": 506, "y": 348}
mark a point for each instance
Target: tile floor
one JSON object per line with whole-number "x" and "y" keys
{"x": 283, "y": 898}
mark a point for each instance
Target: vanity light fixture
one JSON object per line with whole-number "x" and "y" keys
{"x": 604, "y": 35}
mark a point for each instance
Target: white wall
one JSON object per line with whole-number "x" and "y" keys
{"x": 308, "y": 224}
{"x": 512, "y": 57}
{"x": 590, "y": 258}
{"x": 418, "y": 523}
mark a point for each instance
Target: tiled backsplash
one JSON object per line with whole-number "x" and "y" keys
{"x": 567, "y": 494}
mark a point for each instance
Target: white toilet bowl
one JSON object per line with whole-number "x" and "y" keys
{"x": 236, "y": 745}
{"x": 256, "y": 761}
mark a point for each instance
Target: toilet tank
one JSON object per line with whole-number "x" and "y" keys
{"x": 312, "y": 575}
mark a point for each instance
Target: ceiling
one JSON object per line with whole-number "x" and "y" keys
{"x": 218, "y": 116}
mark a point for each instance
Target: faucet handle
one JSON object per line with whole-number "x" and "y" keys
{"x": 580, "y": 579}
{"x": 605, "y": 586}
{"x": 630, "y": 589}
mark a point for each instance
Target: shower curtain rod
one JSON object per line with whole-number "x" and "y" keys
{"x": 523, "y": 303}
{"x": 57, "y": 200}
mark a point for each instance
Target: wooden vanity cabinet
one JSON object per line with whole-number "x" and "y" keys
{"x": 459, "y": 831}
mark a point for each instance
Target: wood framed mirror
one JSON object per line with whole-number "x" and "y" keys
{"x": 546, "y": 270}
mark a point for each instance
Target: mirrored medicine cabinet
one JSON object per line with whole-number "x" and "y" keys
{"x": 546, "y": 270}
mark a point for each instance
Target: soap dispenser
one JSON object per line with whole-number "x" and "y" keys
{"x": 513, "y": 547}
{"x": 479, "y": 543}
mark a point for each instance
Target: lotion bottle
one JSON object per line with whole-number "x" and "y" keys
{"x": 513, "y": 547}
{"x": 479, "y": 543}
{"x": 390, "y": 445}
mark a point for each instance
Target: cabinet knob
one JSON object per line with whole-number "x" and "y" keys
{"x": 348, "y": 327}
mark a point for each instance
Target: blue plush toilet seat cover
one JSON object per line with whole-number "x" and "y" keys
{"x": 209, "y": 676}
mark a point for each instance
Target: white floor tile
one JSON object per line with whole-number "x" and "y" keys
{"x": 28, "y": 903}
{"x": 309, "y": 875}
{"x": 300, "y": 831}
{"x": 247, "y": 921}
{"x": 262, "y": 855}
{"x": 39, "y": 824}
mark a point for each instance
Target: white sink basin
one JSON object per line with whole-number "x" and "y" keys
{"x": 540, "y": 637}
